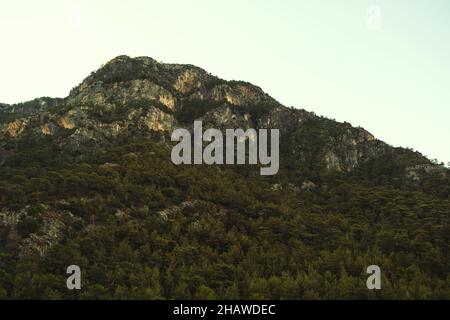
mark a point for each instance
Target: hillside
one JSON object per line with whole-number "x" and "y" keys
{"x": 88, "y": 180}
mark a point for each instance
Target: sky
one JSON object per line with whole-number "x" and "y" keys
{"x": 381, "y": 65}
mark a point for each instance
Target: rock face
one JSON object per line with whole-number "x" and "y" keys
{"x": 15, "y": 128}
{"x": 49, "y": 225}
{"x": 140, "y": 95}
{"x": 188, "y": 81}
{"x": 124, "y": 93}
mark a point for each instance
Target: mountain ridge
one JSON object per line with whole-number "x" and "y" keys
{"x": 177, "y": 94}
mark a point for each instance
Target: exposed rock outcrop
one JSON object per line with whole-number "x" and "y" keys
{"x": 141, "y": 95}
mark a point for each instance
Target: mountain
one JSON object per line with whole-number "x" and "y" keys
{"x": 88, "y": 180}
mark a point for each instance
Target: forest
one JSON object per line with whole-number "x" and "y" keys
{"x": 140, "y": 227}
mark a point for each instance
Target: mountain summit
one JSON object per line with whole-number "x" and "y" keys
{"x": 130, "y": 95}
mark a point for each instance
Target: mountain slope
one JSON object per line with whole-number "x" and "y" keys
{"x": 88, "y": 180}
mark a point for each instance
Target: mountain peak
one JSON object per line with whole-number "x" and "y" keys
{"x": 141, "y": 96}
{"x": 124, "y": 79}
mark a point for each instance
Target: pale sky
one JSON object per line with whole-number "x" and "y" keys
{"x": 391, "y": 77}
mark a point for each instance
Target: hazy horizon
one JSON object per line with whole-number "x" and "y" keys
{"x": 391, "y": 79}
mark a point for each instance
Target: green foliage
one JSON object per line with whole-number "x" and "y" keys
{"x": 207, "y": 232}
{"x": 28, "y": 225}
{"x": 257, "y": 111}
{"x": 194, "y": 109}
{"x": 13, "y": 112}
{"x": 213, "y": 82}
